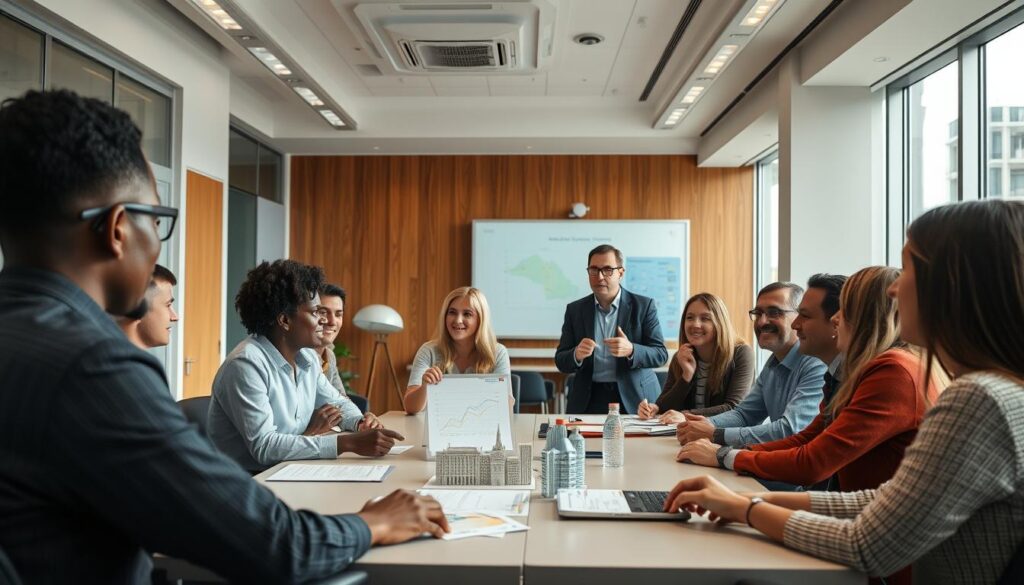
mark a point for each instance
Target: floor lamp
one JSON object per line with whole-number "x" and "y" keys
{"x": 381, "y": 320}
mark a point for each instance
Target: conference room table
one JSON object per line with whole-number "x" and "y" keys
{"x": 563, "y": 551}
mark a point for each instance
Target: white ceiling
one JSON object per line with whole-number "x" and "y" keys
{"x": 585, "y": 101}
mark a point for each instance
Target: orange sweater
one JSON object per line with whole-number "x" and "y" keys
{"x": 864, "y": 444}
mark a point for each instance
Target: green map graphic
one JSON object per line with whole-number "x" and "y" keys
{"x": 548, "y": 275}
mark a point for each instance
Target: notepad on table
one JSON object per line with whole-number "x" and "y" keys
{"x": 306, "y": 472}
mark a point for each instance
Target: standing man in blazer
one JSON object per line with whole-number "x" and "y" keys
{"x": 611, "y": 340}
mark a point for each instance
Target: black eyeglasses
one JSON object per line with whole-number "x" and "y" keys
{"x": 606, "y": 270}
{"x": 770, "y": 312}
{"x": 166, "y": 217}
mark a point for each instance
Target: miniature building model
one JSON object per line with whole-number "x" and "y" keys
{"x": 471, "y": 466}
{"x": 559, "y": 462}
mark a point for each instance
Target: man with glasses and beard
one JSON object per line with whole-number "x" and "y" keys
{"x": 788, "y": 390}
{"x": 100, "y": 468}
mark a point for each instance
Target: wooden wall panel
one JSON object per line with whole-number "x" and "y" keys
{"x": 397, "y": 230}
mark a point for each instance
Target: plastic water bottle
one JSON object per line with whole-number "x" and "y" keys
{"x": 613, "y": 443}
{"x": 580, "y": 445}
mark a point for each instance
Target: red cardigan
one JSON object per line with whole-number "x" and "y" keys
{"x": 864, "y": 444}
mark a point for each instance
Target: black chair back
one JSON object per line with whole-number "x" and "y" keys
{"x": 196, "y": 411}
{"x": 532, "y": 389}
{"x": 1014, "y": 572}
{"x": 515, "y": 392}
{"x": 8, "y": 576}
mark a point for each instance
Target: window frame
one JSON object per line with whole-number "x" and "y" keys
{"x": 261, "y": 146}
{"x": 968, "y": 51}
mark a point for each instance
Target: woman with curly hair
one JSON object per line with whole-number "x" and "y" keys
{"x": 464, "y": 344}
{"x": 271, "y": 401}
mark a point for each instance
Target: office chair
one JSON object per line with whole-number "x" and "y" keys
{"x": 8, "y": 576}
{"x": 515, "y": 392}
{"x": 532, "y": 389}
{"x": 196, "y": 410}
{"x": 1014, "y": 572}
{"x": 662, "y": 376}
{"x": 360, "y": 401}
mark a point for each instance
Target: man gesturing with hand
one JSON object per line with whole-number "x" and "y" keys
{"x": 611, "y": 340}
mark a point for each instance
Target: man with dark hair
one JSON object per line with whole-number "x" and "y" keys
{"x": 787, "y": 391}
{"x": 153, "y": 329}
{"x": 124, "y": 472}
{"x": 816, "y": 330}
{"x": 332, "y": 302}
{"x": 611, "y": 340}
{"x": 271, "y": 400}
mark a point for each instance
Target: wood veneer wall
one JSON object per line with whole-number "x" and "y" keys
{"x": 397, "y": 229}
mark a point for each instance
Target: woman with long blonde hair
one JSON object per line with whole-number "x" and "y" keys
{"x": 463, "y": 344}
{"x": 713, "y": 369}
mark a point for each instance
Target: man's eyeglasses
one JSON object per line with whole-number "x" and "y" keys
{"x": 166, "y": 217}
{"x": 607, "y": 271}
{"x": 770, "y": 312}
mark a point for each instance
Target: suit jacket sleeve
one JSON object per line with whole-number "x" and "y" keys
{"x": 138, "y": 463}
{"x": 565, "y": 359}
{"x": 650, "y": 351}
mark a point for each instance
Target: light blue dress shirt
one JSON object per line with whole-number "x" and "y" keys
{"x": 605, "y": 326}
{"x": 259, "y": 411}
{"x": 787, "y": 393}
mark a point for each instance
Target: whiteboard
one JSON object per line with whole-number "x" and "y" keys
{"x": 529, "y": 270}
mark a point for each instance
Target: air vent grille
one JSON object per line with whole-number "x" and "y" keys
{"x": 455, "y": 55}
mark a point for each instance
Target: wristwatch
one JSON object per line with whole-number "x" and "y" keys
{"x": 721, "y": 453}
{"x": 753, "y": 502}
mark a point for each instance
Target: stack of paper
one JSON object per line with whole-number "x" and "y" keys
{"x": 477, "y": 524}
{"x": 308, "y": 472}
{"x": 497, "y": 502}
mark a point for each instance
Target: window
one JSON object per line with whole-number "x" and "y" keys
{"x": 151, "y": 112}
{"x": 21, "y": 59}
{"x": 767, "y": 194}
{"x": 254, "y": 167}
{"x": 87, "y": 77}
{"x": 995, "y": 114}
{"x": 933, "y": 117}
{"x": 1017, "y": 144}
{"x": 1017, "y": 114}
{"x": 995, "y": 144}
{"x": 1017, "y": 183}
{"x": 995, "y": 182}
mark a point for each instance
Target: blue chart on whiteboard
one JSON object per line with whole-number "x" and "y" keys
{"x": 658, "y": 278}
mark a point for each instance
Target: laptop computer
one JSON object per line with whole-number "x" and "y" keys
{"x": 621, "y": 504}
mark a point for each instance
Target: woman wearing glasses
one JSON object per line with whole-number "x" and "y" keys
{"x": 713, "y": 369}
{"x": 464, "y": 344}
{"x": 955, "y": 507}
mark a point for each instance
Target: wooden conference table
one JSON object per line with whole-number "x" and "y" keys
{"x": 565, "y": 552}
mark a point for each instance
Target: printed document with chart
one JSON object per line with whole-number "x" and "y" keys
{"x": 468, "y": 411}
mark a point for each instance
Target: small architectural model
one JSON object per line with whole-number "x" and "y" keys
{"x": 559, "y": 462}
{"x": 471, "y": 466}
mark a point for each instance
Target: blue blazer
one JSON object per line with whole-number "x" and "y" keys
{"x": 638, "y": 318}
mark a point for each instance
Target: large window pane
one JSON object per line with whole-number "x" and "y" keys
{"x": 72, "y": 70}
{"x": 21, "y": 59}
{"x": 270, "y": 174}
{"x": 1004, "y": 92}
{"x": 151, "y": 112}
{"x": 768, "y": 201}
{"x": 933, "y": 140}
{"x": 243, "y": 158}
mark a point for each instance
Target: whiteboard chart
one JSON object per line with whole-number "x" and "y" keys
{"x": 530, "y": 270}
{"x": 467, "y": 411}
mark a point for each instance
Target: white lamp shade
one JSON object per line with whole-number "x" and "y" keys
{"x": 378, "y": 319}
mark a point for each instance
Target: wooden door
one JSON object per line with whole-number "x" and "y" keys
{"x": 204, "y": 216}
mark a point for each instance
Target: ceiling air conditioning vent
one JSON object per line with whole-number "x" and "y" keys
{"x": 468, "y": 55}
{"x": 511, "y": 37}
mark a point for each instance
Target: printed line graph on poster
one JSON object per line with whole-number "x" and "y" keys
{"x": 468, "y": 411}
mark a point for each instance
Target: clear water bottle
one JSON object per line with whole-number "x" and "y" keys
{"x": 613, "y": 443}
{"x": 580, "y": 445}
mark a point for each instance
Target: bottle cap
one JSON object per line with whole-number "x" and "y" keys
{"x": 614, "y": 405}
{"x": 559, "y": 422}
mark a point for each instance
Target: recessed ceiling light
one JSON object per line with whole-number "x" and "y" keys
{"x": 692, "y": 95}
{"x": 309, "y": 95}
{"x": 270, "y": 60}
{"x": 217, "y": 14}
{"x": 331, "y": 117}
{"x": 758, "y": 12}
{"x": 588, "y": 39}
{"x": 718, "y": 62}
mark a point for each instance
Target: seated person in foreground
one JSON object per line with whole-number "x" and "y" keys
{"x": 149, "y": 326}
{"x": 464, "y": 344}
{"x": 713, "y": 369}
{"x": 271, "y": 400}
{"x": 787, "y": 391}
{"x": 123, "y": 475}
{"x": 955, "y": 507}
